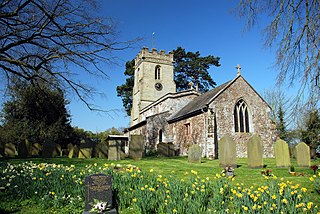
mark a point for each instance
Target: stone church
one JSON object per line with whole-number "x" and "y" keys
{"x": 163, "y": 115}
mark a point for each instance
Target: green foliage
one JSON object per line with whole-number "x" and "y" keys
{"x": 191, "y": 67}
{"x": 188, "y": 67}
{"x": 311, "y": 134}
{"x": 281, "y": 124}
{"x": 35, "y": 113}
{"x": 125, "y": 90}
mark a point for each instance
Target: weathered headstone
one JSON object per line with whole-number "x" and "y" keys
{"x": 59, "y": 150}
{"x": 136, "y": 147}
{"x": 113, "y": 150}
{"x": 24, "y": 149}
{"x": 303, "y": 155}
{"x": 70, "y": 150}
{"x": 194, "y": 154}
{"x": 49, "y": 150}
{"x": 255, "y": 152}
{"x": 102, "y": 150}
{"x": 85, "y": 153}
{"x": 36, "y": 149}
{"x": 75, "y": 151}
{"x": 227, "y": 152}
{"x": 166, "y": 149}
{"x": 98, "y": 187}
{"x": 10, "y": 150}
{"x": 2, "y": 146}
{"x": 281, "y": 151}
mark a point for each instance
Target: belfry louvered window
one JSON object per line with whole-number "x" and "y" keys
{"x": 157, "y": 72}
{"x": 241, "y": 117}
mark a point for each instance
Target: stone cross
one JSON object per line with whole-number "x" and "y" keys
{"x": 238, "y": 69}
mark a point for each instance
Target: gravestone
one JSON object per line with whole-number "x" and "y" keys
{"x": 116, "y": 146}
{"x": 2, "y": 146}
{"x": 70, "y": 150}
{"x": 255, "y": 152}
{"x": 49, "y": 150}
{"x": 36, "y": 149}
{"x": 75, "y": 151}
{"x": 10, "y": 150}
{"x": 303, "y": 155}
{"x": 194, "y": 154}
{"x": 59, "y": 150}
{"x": 166, "y": 149}
{"x": 85, "y": 153}
{"x": 136, "y": 147}
{"x": 24, "y": 149}
{"x": 102, "y": 150}
{"x": 281, "y": 151}
{"x": 98, "y": 187}
{"x": 227, "y": 152}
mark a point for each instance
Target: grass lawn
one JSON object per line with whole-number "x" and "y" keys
{"x": 179, "y": 167}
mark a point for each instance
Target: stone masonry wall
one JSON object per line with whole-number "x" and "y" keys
{"x": 260, "y": 121}
{"x": 182, "y": 139}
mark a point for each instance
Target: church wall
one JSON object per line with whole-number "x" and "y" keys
{"x": 188, "y": 132}
{"x": 223, "y": 106}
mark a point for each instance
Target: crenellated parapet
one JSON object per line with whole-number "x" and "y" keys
{"x": 154, "y": 56}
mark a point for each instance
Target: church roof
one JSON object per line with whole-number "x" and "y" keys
{"x": 198, "y": 103}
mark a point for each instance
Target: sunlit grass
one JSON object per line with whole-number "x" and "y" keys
{"x": 178, "y": 168}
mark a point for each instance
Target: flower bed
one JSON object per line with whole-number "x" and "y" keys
{"x": 138, "y": 191}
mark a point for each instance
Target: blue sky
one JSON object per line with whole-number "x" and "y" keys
{"x": 205, "y": 26}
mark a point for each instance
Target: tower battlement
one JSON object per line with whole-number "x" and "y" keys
{"x": 154, "y": 56}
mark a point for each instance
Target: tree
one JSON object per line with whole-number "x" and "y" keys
{"x": 279, "y": 114}
{"x": 125, "y": 90}
{"x": 294, "y": 30}
{"x": 36, "y": 114}
{"x": 281, "y": 125}
{"x": 311, "y": 132}
{"x": 52, "y": 41}
{"x": 191, "y": 67}
{"x": 188, "y": 67}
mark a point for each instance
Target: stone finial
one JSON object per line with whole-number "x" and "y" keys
{"x": 238, "y": 69}
{"x": 191, "y": 85}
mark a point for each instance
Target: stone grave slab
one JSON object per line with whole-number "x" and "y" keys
{"x": 194, "y": 154}
{"x": 2, "y": 146}
{"x": 166, "y": 149}
{"x": 70, "y": 150}
{"x": 303, "y": 155}
{"x": 24, "y": 149}
{"x": 282, "y": 154}
{"x": 49, "y": 150}
{"x": 255, "y": 152}
{"x": 102, "y": 150}
{"x": 85, "y": 153}
{"x": 98, "y": 187}
{"x": 36, "y": 149}
{"x": 10, "y": 150}
{"x": 136, "y": 147}
{"x": 227, "y": 153}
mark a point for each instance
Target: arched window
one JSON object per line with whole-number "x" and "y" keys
{"x": 160, "y": 136}
{"x": 157, "y": 72}
{"x": 241, "y": 117}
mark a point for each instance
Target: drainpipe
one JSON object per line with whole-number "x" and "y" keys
{"x": 204, "y": 110}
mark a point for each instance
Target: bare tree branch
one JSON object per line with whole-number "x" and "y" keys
{"x": 45, "y": 40}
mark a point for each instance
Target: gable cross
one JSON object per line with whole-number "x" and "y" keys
{"x": 238, "y": 69}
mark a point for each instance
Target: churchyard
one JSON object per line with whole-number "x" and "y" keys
{"x": 129, "y": 181}
{"x": 158, "y": 185}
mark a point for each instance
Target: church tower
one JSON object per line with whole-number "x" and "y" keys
{"x": 153, "y": 78}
